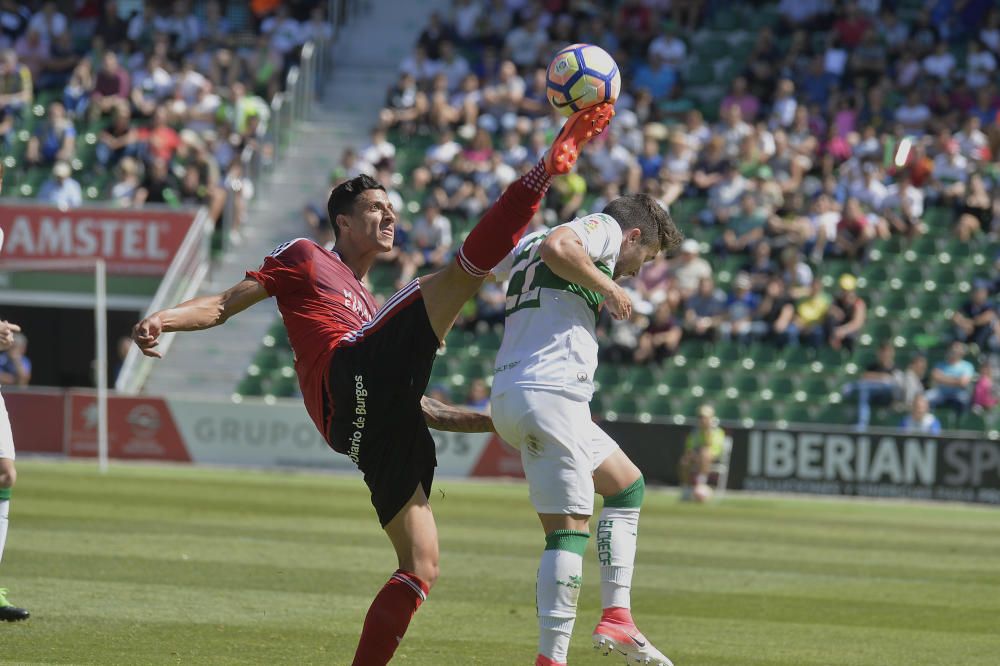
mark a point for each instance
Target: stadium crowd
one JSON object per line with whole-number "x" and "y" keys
{"x": 144, "y": 103}
{"x": 842, "y": 125}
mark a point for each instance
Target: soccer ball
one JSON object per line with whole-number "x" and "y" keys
{"x": 581, "y": 76}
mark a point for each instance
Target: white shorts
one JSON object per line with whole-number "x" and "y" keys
{"x": 6, "y": 437}
{"x": 560, "y": 447}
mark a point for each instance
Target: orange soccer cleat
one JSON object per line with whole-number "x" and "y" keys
{"x": 580, "y": 128}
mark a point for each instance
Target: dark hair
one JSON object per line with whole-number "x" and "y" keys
{"x": 343, "y": 196}
{"x": 643, "y": 212}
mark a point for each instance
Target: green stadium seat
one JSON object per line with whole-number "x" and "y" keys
{"x": 765, "y": 412}
{"x": 250, "y": 385}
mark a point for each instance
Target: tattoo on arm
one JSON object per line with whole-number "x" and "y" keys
{"x": 440, "y": 416}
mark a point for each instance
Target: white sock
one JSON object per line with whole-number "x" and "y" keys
{"x": 617, "y": 533}
{"x": 4, "y": 512}
{"x": 560, "y": 575}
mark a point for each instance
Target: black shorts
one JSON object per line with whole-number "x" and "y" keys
{"x": 377, "y": 377}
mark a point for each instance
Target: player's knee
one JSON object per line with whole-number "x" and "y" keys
{"x": 8, "y": 475}
{"x": 628, "y": 498}
{"x": 428, "y": 570}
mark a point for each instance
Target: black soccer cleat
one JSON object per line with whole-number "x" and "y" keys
{"x": 10, "y": 612}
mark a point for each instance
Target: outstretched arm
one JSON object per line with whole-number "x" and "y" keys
{"x": 197, "y": 314}
{"x": 440, "y": 416}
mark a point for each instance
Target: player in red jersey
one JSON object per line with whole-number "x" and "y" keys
{"x": 363, "y": 373}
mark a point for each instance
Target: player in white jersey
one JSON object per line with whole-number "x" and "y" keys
{"x": 8, "y": 474}
{"x": 558, "y": 281}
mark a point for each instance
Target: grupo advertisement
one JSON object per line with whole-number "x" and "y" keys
{"x": 132, "y": 242}
{"x": 253, "y": 433}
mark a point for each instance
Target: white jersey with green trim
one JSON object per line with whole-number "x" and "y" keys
{"x": 550, "y": 339}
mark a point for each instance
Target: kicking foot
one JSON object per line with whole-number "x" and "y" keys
{"x": 8, "y": 611}
{"x": 616, "y": 632}
{"x": 580, "y": 128}
{"x": 542, "y": 660}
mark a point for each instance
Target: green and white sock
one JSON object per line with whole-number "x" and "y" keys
{"x": 617, "y": 533}
{"x": 560, "y": 575}
{"x": 4, "y": 513}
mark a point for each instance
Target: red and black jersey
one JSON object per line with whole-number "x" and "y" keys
{"x": 321, "y": 300}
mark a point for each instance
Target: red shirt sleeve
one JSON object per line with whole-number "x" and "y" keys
{"x": 285, "y": 268}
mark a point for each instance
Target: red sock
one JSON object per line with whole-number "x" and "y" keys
{"x": 388, "y": 617}
{"x": 504, "y": 223}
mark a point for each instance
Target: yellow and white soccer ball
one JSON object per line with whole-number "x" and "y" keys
{"x": 580, "y": 76}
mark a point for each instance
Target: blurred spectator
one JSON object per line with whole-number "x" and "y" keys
{"x": 848, "y": 314}
{"x": 655, "y": 76}
{"x": 661, "y": 338}
{"x": 119, "y": 139}
{"x": 111, "y": 86}
{"x": 977, "y": 321}
{"x": 745, "y": 228}
{"x": 15, "y": 91}
{"x": 912, "y": 380}
{"x": 741, "y": 305}
{"x": 796, "y": 273}
{"x": 15, "y": 366}
{"x": 811, "y": 312}
{"x": 975, "y": 212}
{"x": 125, "y": 191}
{"x": 760, "y": 268}
{"x": 703, "y": 446}
{"x": 880, "y": 383}
{"x": 920, "y": 418}
{"x": 952, "y": 380}
{"x": 478, "y": 397}
{"x": 984, "y": 393}
{"x": 61, "y": 189}
{"x": 774, "y": 319}
{"x": 54, "y": 139}
{"x": 855, "y": 230}
{"x": 705, "y": 310}
{"x": 430, "y": 239}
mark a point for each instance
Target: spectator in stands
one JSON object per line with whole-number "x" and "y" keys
{"x": 855, "y": 231}
{"x": 111, "y": 86}
{"x": 760, "y": 268}
{"x": 655, "y": 76}
{"x": 117, "y": 140}
{"x": 431, "y": 239}
{"x": 911, "y": 381}
{"x": 984, "y": 393}
{"x": 661, "y": 338}
{"x": 15, "y": 92}
{"x": 705, "y": 310}
{"x": 740, "y": 96}
{"x": 795, "y": 272}
{"x": 774, "y": 319}
{"x": 128, "y": 183}
{"x": 903, "y": 207}
{"x": 157, "y": 187}
{"x": 690, "y": 269}
{"x": 880, "y": 383}
{"x": 811, "y": 312}
{"x": 741, "y": 305}
{"x": 975, "y": 213}
{"x": 54, "y": 139}
{"x": 704, "y": 445}
{"x": 478, "y": 397}
{"x": 15, "y": 366}
{"x": 848, "y": 314}
{"x": 920, "y": 418}
{"x": 76, "y": 94}
{"x": 61, "y": 190}
{"x": 952, "y": 380}
{"x": 745, "y": 228}
{"x": 977, "y": 320}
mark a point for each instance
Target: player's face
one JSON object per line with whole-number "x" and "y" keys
{"x": 633, "y": 255}
{"x": 374, "y": 220}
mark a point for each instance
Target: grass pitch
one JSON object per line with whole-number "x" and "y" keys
{"x": 158, "y": 565}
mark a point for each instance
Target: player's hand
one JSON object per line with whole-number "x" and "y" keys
{"x": 147, "y": 335}
{"x": 618, "y": 302}
{"x": 7, "y": 331}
